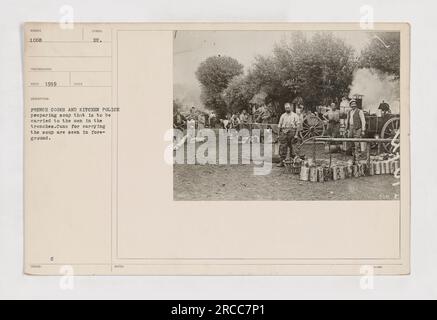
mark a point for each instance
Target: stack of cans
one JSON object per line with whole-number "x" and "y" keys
{"x": 342, "y": 172}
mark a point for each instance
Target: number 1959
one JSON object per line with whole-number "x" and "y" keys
{"x": 51, "y": 84}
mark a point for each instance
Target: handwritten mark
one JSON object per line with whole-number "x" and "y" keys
{"x": 382, "y": 41}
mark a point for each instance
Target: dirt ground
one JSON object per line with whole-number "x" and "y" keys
{"x": 238, "y": 183}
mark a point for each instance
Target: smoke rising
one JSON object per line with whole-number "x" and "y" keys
{"x": 376, "y": 86}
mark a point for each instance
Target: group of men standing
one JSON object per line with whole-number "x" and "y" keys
{"x": 194, "y": 118}
{"x": 290, "y": 124}
{"x": 238, "y": 120}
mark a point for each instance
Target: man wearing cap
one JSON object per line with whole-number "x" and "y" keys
{"x": 384, "y": 107}
{"x": 288, "y": 132}
{"x": 355, "y": 126}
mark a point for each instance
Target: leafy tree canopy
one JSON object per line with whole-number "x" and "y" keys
{"x": 383, "y": 53}
{"x": 238, "y": 94}
{"x": 319, "y": 69}
{"x": 215, "y": 74}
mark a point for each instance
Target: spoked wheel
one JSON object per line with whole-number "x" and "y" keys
{"x": 312, "y": 127}
{"x": 301, "y": 142}
{"x": 389, "y": 131}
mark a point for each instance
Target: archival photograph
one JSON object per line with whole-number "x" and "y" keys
{"x": 286, "y": 115}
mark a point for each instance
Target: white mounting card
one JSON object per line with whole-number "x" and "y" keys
{"x": 152, "y": 148}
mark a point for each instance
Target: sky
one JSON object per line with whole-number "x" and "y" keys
{"x": 192, "y": 47}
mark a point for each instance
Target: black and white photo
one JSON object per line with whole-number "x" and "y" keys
{"x": 286, "y": 115}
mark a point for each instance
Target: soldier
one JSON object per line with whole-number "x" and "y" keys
{"x": 179, "y": 121}
{"x": 333, "y": 117}
{"x": 193, "y": 116}
{"x": 385, "y": 108}
{"x": 235, "y": 121}
{"x": 212, "y": 120}
{"x": 244, "y": 119}
{"x": 355, "y": 127}
{"x": 263, "y": 114}
{"x": 201, "y": 120}
{"x": 288, "y": 132}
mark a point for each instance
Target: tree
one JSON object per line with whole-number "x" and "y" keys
{"x": 319, "y": 69}
{"x": 265, "y": 76}
{"x": 214, "y": 75}
{"x": 238, "y": 94}
{"x": 333, "y": 66}
{"x": 383, "y": 53}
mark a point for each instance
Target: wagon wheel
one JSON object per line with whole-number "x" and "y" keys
{"x": 389, "y": 131}
{"x": 301, "y": 143}
{"x": 312, "y": 127}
